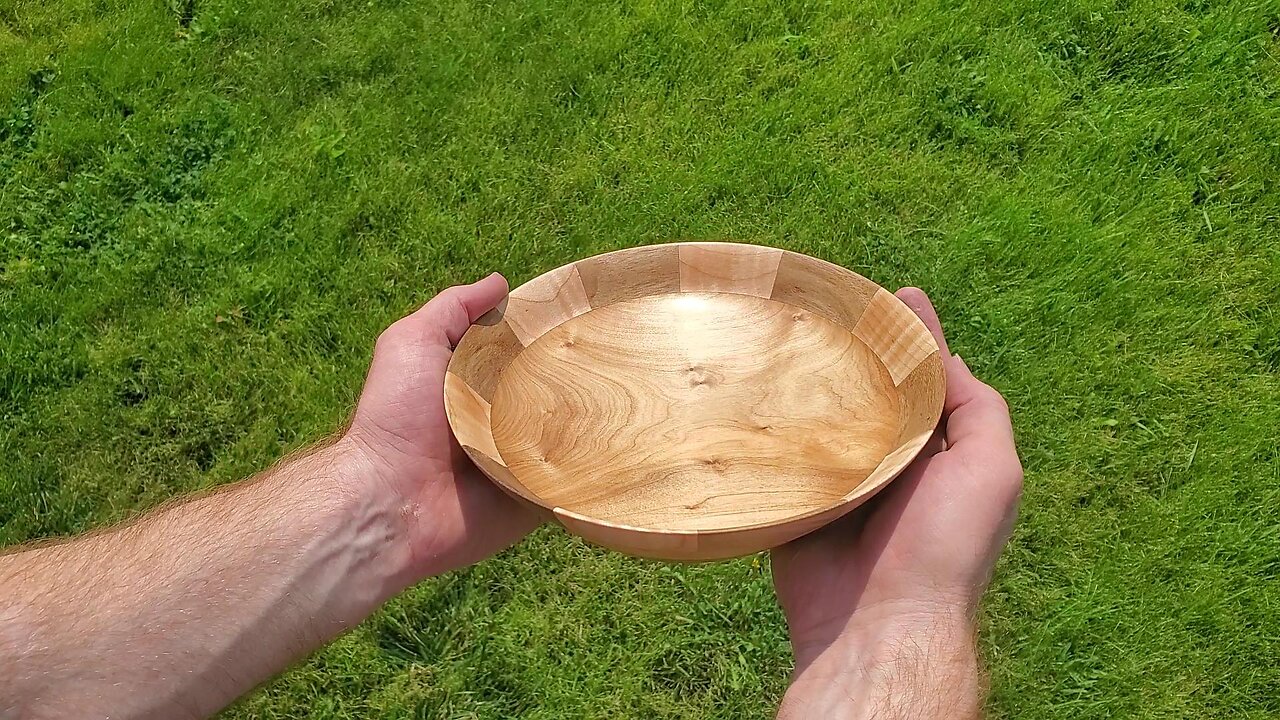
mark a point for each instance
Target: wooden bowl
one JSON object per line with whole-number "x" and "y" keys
{"x": 695, "y": 401}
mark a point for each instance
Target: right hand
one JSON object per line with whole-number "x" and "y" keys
{"x": 922, "y": 552}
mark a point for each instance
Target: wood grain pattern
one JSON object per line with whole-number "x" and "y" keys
{"x": 546, "y": 301}
{"x": 886, "y": 327}
{"x": 469, "y": 416}
{"x": 927, "y": 386}
{"x": 823, "y": 288}
{"x": 648, "y": 270}
{"x": 648, "y": 413}
{"x": 485, "y": 351}
{"x": 724, "y": 267}
{"x": 698, "y": 400}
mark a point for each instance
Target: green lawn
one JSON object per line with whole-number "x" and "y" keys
{"x": 209, "y": 208}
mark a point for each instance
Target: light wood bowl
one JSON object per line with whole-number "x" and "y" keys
{"x": 695, "y": 401}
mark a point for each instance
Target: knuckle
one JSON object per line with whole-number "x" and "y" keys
{"x": 389, "y": 338}
{"x": 1014, "y": 478}
{"x": 992, "y": 397}
{"x": 458, "y": 308}
{"x": 996, "y": 398}
{"x": 446, "y": 305}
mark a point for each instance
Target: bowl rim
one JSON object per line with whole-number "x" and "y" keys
{"x": 907, "y": 451}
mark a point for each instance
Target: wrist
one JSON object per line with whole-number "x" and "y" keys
{"x": 367, "y": 517}
{"x": 890, "y": 661}
{"x": 876, "y": 627}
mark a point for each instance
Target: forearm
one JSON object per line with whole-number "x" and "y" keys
{"x": 178, "y": 614}
{"x": 918, "y": 667}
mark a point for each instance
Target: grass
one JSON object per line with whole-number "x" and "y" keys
{"x": 208, "y": 209}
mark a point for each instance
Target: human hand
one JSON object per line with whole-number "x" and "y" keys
{"x": 910, "y": 567}
{"x": 452, "y": 514}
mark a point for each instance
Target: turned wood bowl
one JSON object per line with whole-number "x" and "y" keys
{"x": 695, "y": 401}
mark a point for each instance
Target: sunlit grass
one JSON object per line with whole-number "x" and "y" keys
{"x": 209, "y": 210}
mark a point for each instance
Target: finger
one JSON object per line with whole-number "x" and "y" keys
{"x": 919, "y": 303}
{"x": 977, "y": 415}
{"x": 937, "y": 443}
{"x": 453, "y": 310}
{"x": 960, "y": 382}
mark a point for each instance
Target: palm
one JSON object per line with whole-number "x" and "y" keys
{"x": 872, "y": 557}
{"x": 406, "y": 385}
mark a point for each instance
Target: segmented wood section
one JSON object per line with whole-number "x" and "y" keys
{"x": 469, "y": 417}
{"x": 536, "y": 307}
{"x": 896, "y": 335}
{"x": 485, "y": 351}
{"x": 723, "y": 267}
{"x": 926, "y": 386}
{"x": 650, "y": 270}
{"x": 823, "y": 288}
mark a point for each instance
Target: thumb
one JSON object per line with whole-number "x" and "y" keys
{"x": 454, "y": 309}
{"x": 977, "y": 416}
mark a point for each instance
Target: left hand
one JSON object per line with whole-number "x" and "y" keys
{"x": 453, "y": 515}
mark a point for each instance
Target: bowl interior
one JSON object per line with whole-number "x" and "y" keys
{"x": 695, "y": 387}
